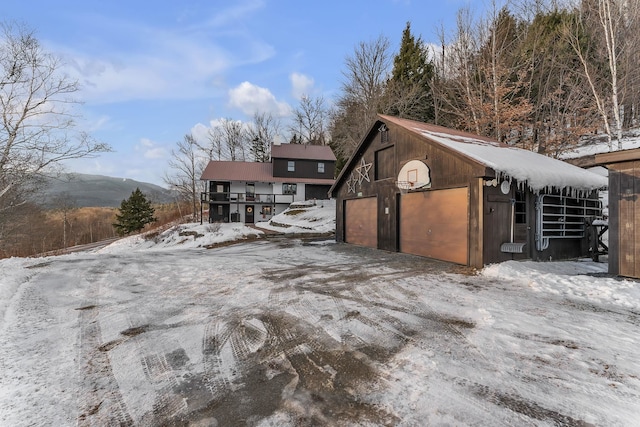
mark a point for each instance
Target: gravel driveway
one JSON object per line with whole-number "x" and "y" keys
{"x": 301, "y": 332}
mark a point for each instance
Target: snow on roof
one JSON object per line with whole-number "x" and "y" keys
{"x": 539, "y": 172}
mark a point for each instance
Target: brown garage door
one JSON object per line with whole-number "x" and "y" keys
{"x": 361, "y": 222}
{"x": 435, "y": 224}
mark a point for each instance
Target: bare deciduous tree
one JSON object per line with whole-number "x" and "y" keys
{"x": 233, "y": 139}
{"x": 187, "y": 165}
{"x": 309, "y": 120}
{"x": 36, "y": 116}
{"x": 214, "y": 147}
{"x": 363, "y": 88}
{"x": 607, "y": 29}
{"x": 64, "y": 204}
{"x": 261, "y": 133}
{"x": 457, "y": 95}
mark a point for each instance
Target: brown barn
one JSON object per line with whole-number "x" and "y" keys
{"x": 624, "y": 211}
{"x": 435, "y": 192}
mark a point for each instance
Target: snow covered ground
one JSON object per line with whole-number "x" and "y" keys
{"x": 630, "y": 141}
{"x": 290, "y": 331}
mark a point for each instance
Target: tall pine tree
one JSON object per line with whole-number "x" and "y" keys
{"x": 135, "y": 213}
{"x": 409, "y": 88}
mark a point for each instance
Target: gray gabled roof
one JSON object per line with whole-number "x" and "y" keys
{"x": 302, "y": 152}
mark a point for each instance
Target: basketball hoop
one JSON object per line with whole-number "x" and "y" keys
{"x": 404, "y": 186}
{"x": 407, "y": 186}
{"x": 414, "y": 175}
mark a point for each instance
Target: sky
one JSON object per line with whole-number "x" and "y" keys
{"x": 153, "y": 72}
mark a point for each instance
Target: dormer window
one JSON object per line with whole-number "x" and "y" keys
{"x": 291, "y": 166}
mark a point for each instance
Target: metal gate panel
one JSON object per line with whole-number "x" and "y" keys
{"x": 361, "y": 222}
{"x": 435, "y": 224}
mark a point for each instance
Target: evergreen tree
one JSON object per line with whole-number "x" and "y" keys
{"x": 409, "y": 89}
{"x": 295, "y": 139}
{"x": 135, "y": 213}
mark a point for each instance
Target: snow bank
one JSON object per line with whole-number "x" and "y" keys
{"x": 580, "y": 280}
{"x": 187, "y": 236}
{"x": 13, "y": 271}
{"x": 301, "y": 217}
{"x": 317, "y": 216}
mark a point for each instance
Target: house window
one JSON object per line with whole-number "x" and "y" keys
{"x": 219, "y": 188}
{"x": 291, "y": 166}
{"x": 320, "y": 167}
{"x": 521, "y": 207}
{"x": 266, "y": 210}
{"x": 289, "y": 188}
{"x": 250, "y": 191}
{"x": 220, "y": 211}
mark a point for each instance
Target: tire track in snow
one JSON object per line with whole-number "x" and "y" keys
{"x": 101, "y": 402}
{"x": 216, "y": 377}
{"x": 158, "y": 371}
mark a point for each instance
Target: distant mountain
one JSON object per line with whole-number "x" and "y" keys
{"x": 101, "y": 191}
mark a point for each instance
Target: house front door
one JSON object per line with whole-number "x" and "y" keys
{"x": 248, "y": 214}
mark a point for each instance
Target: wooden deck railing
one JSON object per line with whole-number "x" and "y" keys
{"x": 256, "y": 198}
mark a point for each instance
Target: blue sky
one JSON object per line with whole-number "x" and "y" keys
{"x": 153, "y": 71}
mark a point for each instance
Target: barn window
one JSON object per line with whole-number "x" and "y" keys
{"x": 521, "y": 207}
{"x": 289, "y": 188}
{"x": 384, "y": 164}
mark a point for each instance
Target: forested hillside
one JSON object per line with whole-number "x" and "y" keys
{"x": 99, "y": 191}
{"x": 535, "y": 75}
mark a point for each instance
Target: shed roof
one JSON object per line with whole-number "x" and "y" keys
{"x": 303, "y": 152}
{"x": 618, "y": 156}
{"x": 251, "y": 172}
{"x": 537, "y": 171}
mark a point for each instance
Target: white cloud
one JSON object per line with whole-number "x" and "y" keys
{"x": 235, "y": 13}
{"x": 300, "y": 85}
{"x": 177, "y": 73}
{"x": 155, "y": 153}
{"x": 151, "y": 150}
{"x": 155, "y": 63}
{"x": 200, "y": 133}
{"x": 146, "y": 142}
{"x": 250, "y": 99}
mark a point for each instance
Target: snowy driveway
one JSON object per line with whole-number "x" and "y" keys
{"x": 293, "y": 332}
